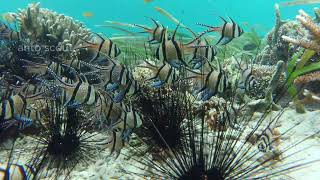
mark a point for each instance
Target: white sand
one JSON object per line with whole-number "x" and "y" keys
{"x": 105, "y": 167}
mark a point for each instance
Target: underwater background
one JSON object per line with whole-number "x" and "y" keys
{"x": 159, "y": 89}
{"x": 258, "y": 14}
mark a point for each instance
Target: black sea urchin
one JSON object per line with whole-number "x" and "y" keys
{"x": 64, "y": 141}
{"x": 223, "y": 153}
{"x": 163, "y": 111}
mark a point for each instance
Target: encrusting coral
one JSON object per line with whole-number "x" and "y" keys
{"x": 262, "y": 105}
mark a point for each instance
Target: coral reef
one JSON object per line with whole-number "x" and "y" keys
{"x": 163, "y": 125}
{"x": 47, "y": 27}
{"x": 262, "y": 105}
{"x": 313, "y": 29}
{"x": 307, "y": 78}
{"x": 278, "y": 49}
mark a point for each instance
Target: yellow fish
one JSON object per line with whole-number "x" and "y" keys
{"x": 88, "y": 14}
{"x": 300, "y": 2}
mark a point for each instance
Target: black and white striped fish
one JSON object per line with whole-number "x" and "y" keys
{"x": 7, "y": 33}
{"x": 265, "y": 140}
{"x": 122, "y": 130}
{"x": 202, "y": 53}
{"x": 157, "y": 32}
{"x": 171, "y": 51}
{"x": 162, "y": 73}
{"x": 115, "y": 77}
{"x": 16, "y": 110}
{"x": 107, "y": 111}
{"x": 247, "y": 81}
{"x": 128, "y": 121}
{"x": 16, "y": 172}
{"x": 78, "y": 93}
{"x": 116, "y": 142}
{"x": 116, "y": 115}
{"x": 36, "y": 69}
{"x": 228, "y": 31}
{"x": 209, "y": 83}
{"x": 102, "y": 48}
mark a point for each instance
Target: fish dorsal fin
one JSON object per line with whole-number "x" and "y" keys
{"x": 191, "y": 31}
{"x": 211, "y": 68}
{"x": 224, "y": 20}
{"x": 165, "y": 35}
{"x": 143, "y": 27}
{"x": 148, "y": 63}
{"x": 154, "y": 21}
{"x": 31, "y": 63}
{"x": 60, "y": 80}
{"x": 231, "y": 20}
{"x": 100, "y": 36}
{"x": 35, "y": 95}
{"x": 175, "y": 32}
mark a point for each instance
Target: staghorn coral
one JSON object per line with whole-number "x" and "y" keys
{"x": 314, "y": 30}
{"x": 279, "y": 23}
{"x": 277, "y": 48}
{"x": 307, "y": 78}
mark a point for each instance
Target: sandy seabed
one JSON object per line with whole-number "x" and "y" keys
{"x": 106, "y": 167}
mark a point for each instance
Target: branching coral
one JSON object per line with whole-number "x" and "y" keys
{"x": 44, "y": 25}
{"x": 278, "y": 48}
{"x": 312, "y": 27}
{"x": 279, "y": 23}
{"x": 44, "y": 37}
{"x": 315, "y": 76}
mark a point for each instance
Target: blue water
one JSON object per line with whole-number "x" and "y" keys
{"x": 256, "y": 13}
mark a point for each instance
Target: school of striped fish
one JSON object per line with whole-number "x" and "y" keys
{"x": 104, "y": 85}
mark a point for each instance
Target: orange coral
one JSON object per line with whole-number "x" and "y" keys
{"x": 315, "y": 76}
{"x": 307, "y": 22}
